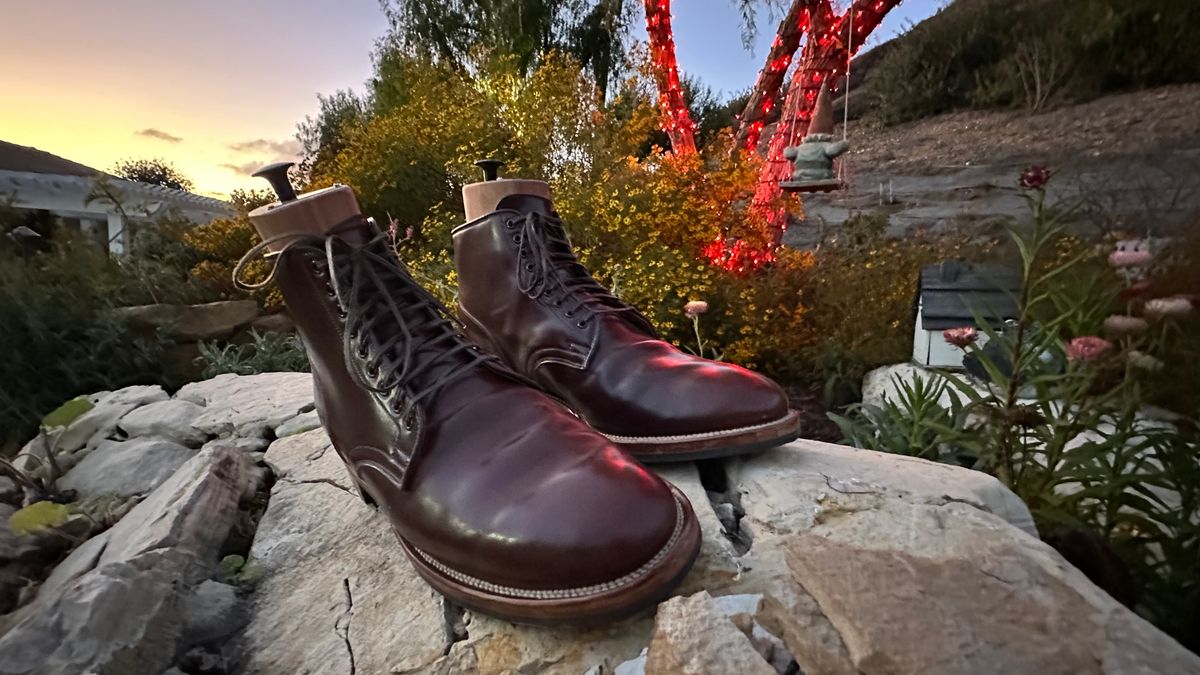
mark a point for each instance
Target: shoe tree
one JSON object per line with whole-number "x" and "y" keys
{"x": 315, "y": 212}
{"x": 480, "y": 199}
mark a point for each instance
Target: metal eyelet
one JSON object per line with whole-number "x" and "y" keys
{"x": 516, "y": 239}
{"x": 372, "y": 370}
{"x": 329, "y": 290}
{"x": 580, "y": 324}
{"x": 362, "y": 351}
{"x": 341, "y": 312}
{"x": 529, "y": 267}
{"x": 558, "y": 303}
{"x": 508, "y": 224}
{"x": 397, "y": 405}
{"x": 569, "y": 314}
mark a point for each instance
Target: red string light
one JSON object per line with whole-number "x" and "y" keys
{"x": 676, "y": 118}
{"x": 823, "y": 59}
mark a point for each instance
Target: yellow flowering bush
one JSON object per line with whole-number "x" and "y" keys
{"x": 220, "y": 245}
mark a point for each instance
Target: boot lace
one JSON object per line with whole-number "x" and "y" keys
{"x": 547, "y": 268}
{"x": 394, "y": 328}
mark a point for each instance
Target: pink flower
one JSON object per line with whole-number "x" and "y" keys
{"x": 1144, "y": 361}
{"x": 1087, "y": 348}
{"x": 1130, "y": 258}
{"x": 1120, "y": 325}
{"x": 961, "y": 337}
{"x": 1175, "y": 306}
{"x": 695, "y": 308}
{"x": 1035, "y": 177}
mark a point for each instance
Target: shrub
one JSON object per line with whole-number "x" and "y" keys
{"x": 265, "y": 353}
{"x": 1060, "y": 420}
{"x": 1035, "y": 52}
{"x": 63, "y": 340}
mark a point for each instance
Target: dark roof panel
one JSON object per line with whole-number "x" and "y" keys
{"x": 15, "y": 157}
{"x": 960, "y": 276}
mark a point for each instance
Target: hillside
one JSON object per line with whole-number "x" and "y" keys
{"x": 1134, "y": 157}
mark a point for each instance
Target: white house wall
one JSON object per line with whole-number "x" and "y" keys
{"x": 67, "y": 197}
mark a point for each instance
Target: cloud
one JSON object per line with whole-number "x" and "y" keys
{"x": 158, "y": 134}
{"x": 246, "y": 168}
{"x": 290, "y": 147}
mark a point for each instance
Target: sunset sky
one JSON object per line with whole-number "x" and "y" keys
{"x": 217, "y": 87}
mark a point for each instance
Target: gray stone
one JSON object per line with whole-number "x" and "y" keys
{"x": 10, "y": 492}
{"x": 248, "y": 405}
{"x": 273, "y": 323}
{"x": 211, "y": 613}
{"x": 692, "y": 636}
{"x": 171, "y": 419}
{"x": 251, "y": 446}
{"x": 94, "y": 426}
{"x": 189, "y": 323}
{"x": 123, "y": 615}
{"x": 335, "y": 579}
{"x": 1014, "y": 601}
{"x": 126, "y": 467}
{"x": 299, "y": 424}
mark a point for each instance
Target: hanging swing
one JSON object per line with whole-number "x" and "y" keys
{"x": 812, "y": 159}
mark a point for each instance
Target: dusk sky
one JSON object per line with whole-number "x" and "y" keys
{"x": 217, "y": 87}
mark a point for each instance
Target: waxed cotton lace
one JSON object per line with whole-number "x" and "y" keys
{"x": 547, "y": 267}
{"x": 388, "y": 316}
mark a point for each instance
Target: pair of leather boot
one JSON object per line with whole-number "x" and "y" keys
{"x": 504, "y": 461}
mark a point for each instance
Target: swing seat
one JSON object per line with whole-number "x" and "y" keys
{"x": 811, "y": 185}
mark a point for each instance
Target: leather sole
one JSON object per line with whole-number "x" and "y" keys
{"x": 600, "y": 603}
{"x": 711, "y": 445}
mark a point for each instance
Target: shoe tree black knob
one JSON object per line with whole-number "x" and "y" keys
{"x": 480, "y": 199}
{"x": 314, "y": 212}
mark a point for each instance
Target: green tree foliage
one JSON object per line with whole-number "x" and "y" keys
{"x": 153, "y": 171}
{"x": 593, "y": 31}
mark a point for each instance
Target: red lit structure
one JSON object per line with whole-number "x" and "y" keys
{"x": 832, "y": 40}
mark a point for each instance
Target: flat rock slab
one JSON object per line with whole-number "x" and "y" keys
{"x": 693, "y": 636}
{"x": 174, "y": 420}
{"x": 114, "y": 605}
{"x": 189, "y": 323}
{"x": 248, "y": 405}
{"x": 94, "y": 426}
{"x": 126, "y": 467}
{"x": 337, "y": 591}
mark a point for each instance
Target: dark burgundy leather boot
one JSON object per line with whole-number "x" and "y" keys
{"x": 524, "y": 296}
{"x": 503, "y": 500}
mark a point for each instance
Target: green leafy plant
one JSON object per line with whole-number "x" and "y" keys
{"x": 264, "y": 353}
{"x": 1059, "y": 417}
{"x": 55, "y": 309}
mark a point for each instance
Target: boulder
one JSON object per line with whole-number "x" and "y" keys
{"x": 693, "y": 636}
{"x": 189, "y": 323}
{"x": 299, "y": 424}
{"x": 273, "y": 323}
{"x": 920, "y": 536}
{"x": 171, "y": 419}
{"x": 211, "y": 613}
{"x": 126, "y": 467}
{"x": 118, "y": 606}
{"x": 248, "y": 405}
